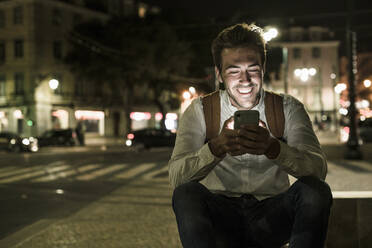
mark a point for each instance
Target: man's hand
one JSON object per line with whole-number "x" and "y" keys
{"x": 250, "y": 139}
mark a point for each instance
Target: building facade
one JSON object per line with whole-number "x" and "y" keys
{"x": 310, "y": 71}
{"x": 33, "y": 42}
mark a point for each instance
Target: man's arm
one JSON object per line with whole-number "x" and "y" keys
{"x": 302, "y": 154}
{"x": 191, "y": 159}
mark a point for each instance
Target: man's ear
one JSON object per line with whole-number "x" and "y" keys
{"x": 218, "y": 74}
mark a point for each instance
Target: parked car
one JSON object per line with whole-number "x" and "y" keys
{"x": 365, "y": 130}
{"x": 14, "y": 143}
{"x": 150, "y": 137}
{"x": 58, "y": 137}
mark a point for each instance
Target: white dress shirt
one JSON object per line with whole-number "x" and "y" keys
{"x": 251, "y": 174}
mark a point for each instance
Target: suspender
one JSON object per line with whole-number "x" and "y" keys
{"x": 273, "y": 110}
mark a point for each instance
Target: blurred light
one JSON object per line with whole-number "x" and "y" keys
{"x": 304, "y": 77}
{"x": 297, "y": 72}
{"x": 30, "y": 123}
{"x": 158, "y": 116}
{"x": 270, "y": 34}
{"x": 171, "y": 116}
{"x": 367, "y": 83}
{"x": 362, "y": 118}
{"x": 60, "y": 113}
{"x": 91, "y": 115}
{"x": 130, "y": 136}
{"x": 312, "y": 71}
{"x": 13, "y": 141}
{"x": 333, "y": 76}
{"x": 186, "y": 95}
{"x": 324, "y": 117}
{"x": 25, "y": 141}
{"x": 345, "y": 134}
{"x": 366, "y": 112}
{"x": 128, "y": 142}
{"x": 340, "y": 87}
{"x": 53, "y": 84}
{"x": 18, "y": 114}
{"x": 140, "y": 116}
{"x": 343, "y": 111}
{"x": 192, "y": 90}
{"x": 2, "y": 114}
{"x": 60, "y": 191}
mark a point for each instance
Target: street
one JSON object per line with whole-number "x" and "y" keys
{"x": 75, "y": 197}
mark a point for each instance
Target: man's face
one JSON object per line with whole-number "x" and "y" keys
{"x": 242, "y": 74}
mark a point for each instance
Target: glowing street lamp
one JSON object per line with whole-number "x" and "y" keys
{"x": 53, "y": 84}
{"x": 367, "y": 83}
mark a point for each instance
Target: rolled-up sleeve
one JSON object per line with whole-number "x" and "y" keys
{"x": 302, "y": 154}
{"x": 191, "y": 159}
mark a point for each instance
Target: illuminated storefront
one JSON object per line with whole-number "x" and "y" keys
{"x": 94, "y": 121}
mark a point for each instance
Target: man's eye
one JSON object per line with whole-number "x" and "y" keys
{"x": 233, "y": 72}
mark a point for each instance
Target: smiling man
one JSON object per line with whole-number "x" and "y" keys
{"x": 232, "y": 190}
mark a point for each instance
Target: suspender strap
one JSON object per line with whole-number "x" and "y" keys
{"x": 212, "y": 112}
{"x": 274, "y": 113}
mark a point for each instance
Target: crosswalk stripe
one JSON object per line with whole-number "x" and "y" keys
{"x": 101, "y": 172}
{"x": 135, "y": 171}
{"x": 152, "y": 174}
{"x": 25, "y": 170}
{"x": 66, "y": 173}
{"x": 7, "y": 169}
{"x": 33, "y": 174}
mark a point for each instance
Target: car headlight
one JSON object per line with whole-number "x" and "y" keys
{"x": 25, "y": 141}
{"x": 13, "y": 141}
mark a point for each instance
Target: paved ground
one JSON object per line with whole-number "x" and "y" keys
{"x": 140, "y": 215}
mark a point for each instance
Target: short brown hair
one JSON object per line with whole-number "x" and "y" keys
{"x": 239, "y": 35}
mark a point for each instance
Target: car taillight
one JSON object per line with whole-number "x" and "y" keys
{"x": 130, "y": 136}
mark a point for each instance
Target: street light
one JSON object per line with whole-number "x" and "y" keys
{"x": 367, "y": 83}
{"x": 53, "y": 84}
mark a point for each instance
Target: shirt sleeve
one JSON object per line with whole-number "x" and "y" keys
{"x": 302, "y": 154}
{"x": 191, "y": 159}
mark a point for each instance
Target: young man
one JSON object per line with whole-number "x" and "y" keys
{"x": 233, "y": 191}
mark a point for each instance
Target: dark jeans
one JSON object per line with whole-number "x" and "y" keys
{"x": 298, "y": 216}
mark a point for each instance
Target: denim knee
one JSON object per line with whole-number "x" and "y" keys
{"x": 314, "y": 192}
{"x": 188, "y": 193}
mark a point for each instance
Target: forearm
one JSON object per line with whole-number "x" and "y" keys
{"x": 191, "y": 166}
{"x": 302, "y": 161}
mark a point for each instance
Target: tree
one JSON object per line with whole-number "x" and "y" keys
{"x": 126, "y": 52}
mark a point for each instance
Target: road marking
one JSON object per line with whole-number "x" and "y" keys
{"x": 152, "y": 174}
{"x": 25, "y": 170}
{"x": 137, "y": 169}
{"x": 101, "y": 172}
{"x": 66, "y": 173}
{"x": 33, "y": 174}
{"x": 7, "y": 168}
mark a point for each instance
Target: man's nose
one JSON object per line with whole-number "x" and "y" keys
{"x": 245, "y": 77}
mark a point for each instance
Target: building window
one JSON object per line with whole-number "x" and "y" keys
{"x": 18, "y": 48}
{"x": 57, "y": 49}
{"x": 18, "y": 15}
{"x": 19, "y": 81}
{"x": 2, "y": 52}
{"x": 57, "y": 17}
{"x": 59, "y": 90}
{"x": 316, "y": 52}
{"x": 296, "y": 53}
{"x": 2, "y": 19}
{"x": 2, "y": 85}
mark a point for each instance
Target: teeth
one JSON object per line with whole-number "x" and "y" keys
{"x": 245, "y": 90}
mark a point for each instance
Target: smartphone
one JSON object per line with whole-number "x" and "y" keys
{"x": 244, "y": 117}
